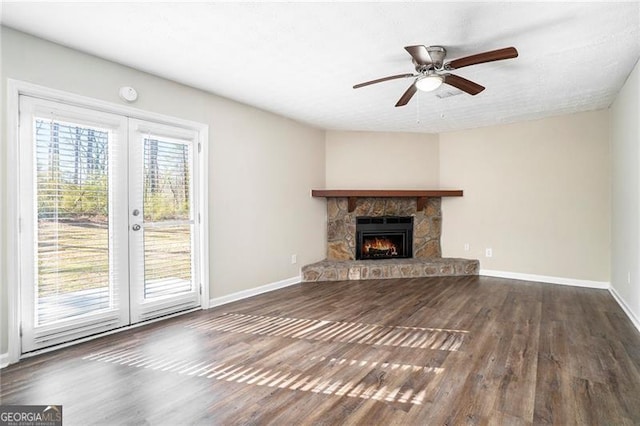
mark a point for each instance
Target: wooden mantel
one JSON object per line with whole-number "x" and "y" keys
{"x": 353, "y": 194}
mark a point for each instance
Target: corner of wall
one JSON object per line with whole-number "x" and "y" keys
{"x": 627, "y": 310}
{"x": 625, "y": 195}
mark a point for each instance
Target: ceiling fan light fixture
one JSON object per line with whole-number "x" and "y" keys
{"x": 429, "y": 83}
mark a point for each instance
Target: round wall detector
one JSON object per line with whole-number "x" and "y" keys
{"x": 129, "y": 94}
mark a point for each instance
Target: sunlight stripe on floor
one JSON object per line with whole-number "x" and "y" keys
{"x": 336, "y": 331}
{"x": 351, "y": 386}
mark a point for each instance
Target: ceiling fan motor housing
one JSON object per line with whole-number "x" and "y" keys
{"x": 437, "y": 54}
{"x": 432, "y": 61}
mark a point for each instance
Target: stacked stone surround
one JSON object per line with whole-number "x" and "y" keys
{"x": 340, "y": 264}
{"x": 341, "y": 225}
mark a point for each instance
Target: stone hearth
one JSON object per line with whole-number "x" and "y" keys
{"x": 332, "y": 270}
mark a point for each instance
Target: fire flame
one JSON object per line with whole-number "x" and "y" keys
{"x": 379, "y": 245}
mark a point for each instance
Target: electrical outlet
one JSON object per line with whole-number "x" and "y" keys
{"x": 466, "y": 246}
{"x": 488, "y": 253}
{"x": 294, "y": 259}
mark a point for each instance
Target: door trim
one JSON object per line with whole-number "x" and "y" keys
{"x": 11, "y": 223}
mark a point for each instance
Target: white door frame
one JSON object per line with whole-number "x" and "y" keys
{"x": 12, "y": 223}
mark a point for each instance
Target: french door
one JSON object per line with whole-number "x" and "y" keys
{"x": 108, "y": 213}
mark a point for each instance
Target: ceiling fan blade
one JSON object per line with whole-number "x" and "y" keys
{"x": 463, "y": 84}
{"x": 406, "y": 97}
{"x": 380, "y": 80}
{"x": 480, "y": 58}
{"x": 419, "y": 54}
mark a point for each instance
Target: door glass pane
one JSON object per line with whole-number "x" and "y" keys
{"x": 72, "y": 194}
{"x": 167, "y": 218}
{"x": 167, "y": 257}
{"x": 166, "y": 180}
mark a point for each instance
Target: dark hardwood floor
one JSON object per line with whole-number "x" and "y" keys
{"x": 427, "y": 351}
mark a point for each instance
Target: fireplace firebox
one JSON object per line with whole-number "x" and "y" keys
{"x": 384, "y": 237}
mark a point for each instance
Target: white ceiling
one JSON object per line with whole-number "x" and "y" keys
{"x": 301, "y": 59}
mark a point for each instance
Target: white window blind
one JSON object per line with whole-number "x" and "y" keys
{"x": 167, "y": 200}
{"x": 72, "y": 220}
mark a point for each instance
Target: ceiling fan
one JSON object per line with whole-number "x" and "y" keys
{"x": 432, "y": 71}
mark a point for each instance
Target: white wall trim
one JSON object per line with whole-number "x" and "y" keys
{"x": 4, "y": 360}
{"x": 203, "y": 205}
{"x": 12, "y": 222}
{"x": 634, "y": 319}
{"x": 244, "y": 294}
{"x": 546, "y": 279}
{"x": 19, "y": 87}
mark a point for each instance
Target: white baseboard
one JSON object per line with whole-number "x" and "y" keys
{"x": 223, "y": 300}
{"x": 4, "y": 360}
{"x": 634, "y": 319}
{"x": 546, "y": 279}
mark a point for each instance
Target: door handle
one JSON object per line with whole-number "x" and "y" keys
{"x": 136, "y": 227}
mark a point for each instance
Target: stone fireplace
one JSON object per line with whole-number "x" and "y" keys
{"x": 399, "y": 230}
{"x": 342, "y": 236}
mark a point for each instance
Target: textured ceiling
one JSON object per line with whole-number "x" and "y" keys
{"x": 301, "y": 60}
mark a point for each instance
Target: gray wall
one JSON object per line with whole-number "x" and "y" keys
{"x": 537, "y": 193}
